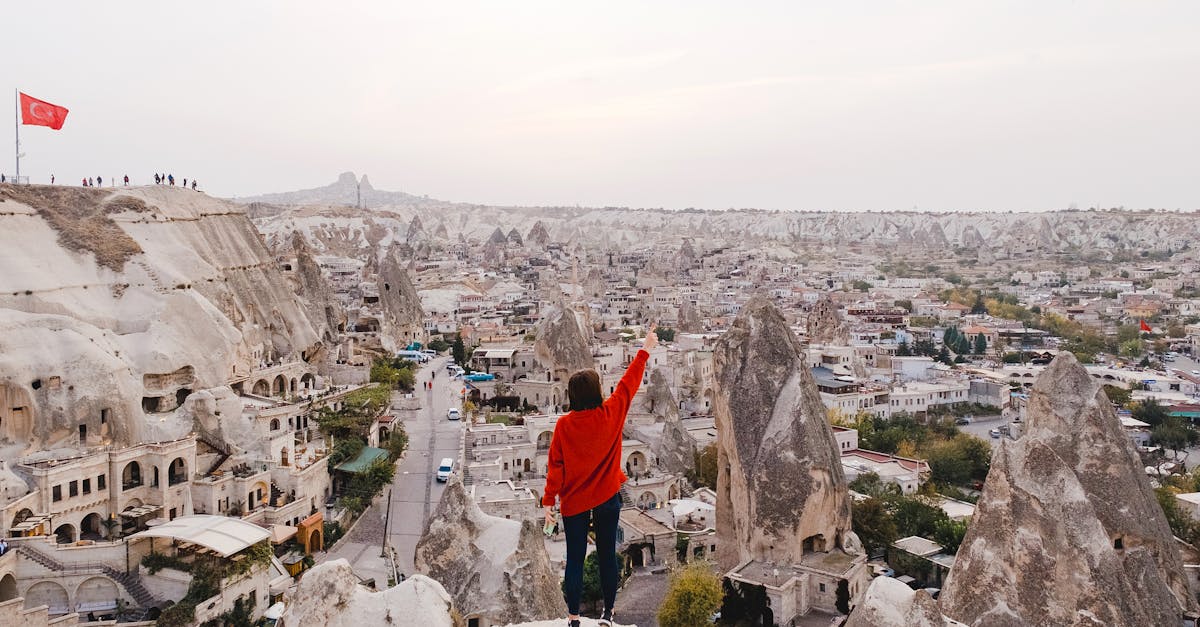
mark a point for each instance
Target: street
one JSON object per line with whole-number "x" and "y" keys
{"x": 414, "y": 490}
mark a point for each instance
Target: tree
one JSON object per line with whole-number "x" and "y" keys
{"x": 914, "y": 517}
{"x": 1150, "y": 412}
{"x": 1117, "y": 395}
{"x": 949, "y": 534}
{"x": 694, "y": 593}
{"x": 873, "y": 523}
{"x": 665, "y": 334}
{"x": 944, "y": 357}
{"x": 902, "y": 349}
{"x": 1173, "y": 434}
{"x": 1131, "y": 348}
{"x": 947, "y": 465}
{"x": 458, "y": 350}
{"x": 980, "y": 344}
{"x": 706, "y": 466}
{"x": 861, "y": 286}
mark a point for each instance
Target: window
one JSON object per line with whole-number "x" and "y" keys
{"x": 172, "y": 514}
{"x": 821, "y": 586}
{"x": 87, "y": 486}
{"x": 73, "y": 488}
{"x": 56, "y": 493}
{"x": 100, "y": 482}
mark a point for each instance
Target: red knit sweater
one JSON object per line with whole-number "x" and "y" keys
{"x": 585, "y": 452}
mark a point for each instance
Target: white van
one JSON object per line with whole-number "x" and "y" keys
{"x": 444, "y": 469}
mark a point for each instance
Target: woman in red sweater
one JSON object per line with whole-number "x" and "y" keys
{"x": 585, "y": 475}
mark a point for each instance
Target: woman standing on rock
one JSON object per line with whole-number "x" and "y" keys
{"x": 585, "y": 475}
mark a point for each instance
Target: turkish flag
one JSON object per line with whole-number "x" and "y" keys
{"x": 1146, "y": 327}
{"x": 41, "y": 113}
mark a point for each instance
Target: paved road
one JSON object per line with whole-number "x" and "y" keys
{"x": 415, "y": 490}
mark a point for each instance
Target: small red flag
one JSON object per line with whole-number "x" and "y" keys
{"x": 36, "y": 112}
{"x": 1146, "y": 327}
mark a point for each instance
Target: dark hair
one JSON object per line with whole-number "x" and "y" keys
{"x": 583, "y": 390}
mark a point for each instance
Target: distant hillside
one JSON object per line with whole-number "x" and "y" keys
{"x": 344, "y": 191}
{"x": 326, "y": 218}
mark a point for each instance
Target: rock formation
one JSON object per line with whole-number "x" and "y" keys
{"x": 673, "y": 448}
{"x": 498, "y": 238}
{"x": 323, "y": 308}
{"x": 128, "y": 301}
{"x": 492, "y": 567}
{"x": 780, "y": 487}
{"x": 538, "y": 235}
{"x": 825, "y": 326}
{"x": 330, "y": 595}
{"x": 889, "y": 603}
{"x": 563, "y": 345}
{"x": 1068, "y": 531}
{"x": 689, "y": 318}
{"x": 402, "y": 319}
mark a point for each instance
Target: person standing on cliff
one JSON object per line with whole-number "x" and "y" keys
{"x": 585, "y": 475}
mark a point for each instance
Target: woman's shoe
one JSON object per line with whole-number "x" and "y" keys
{"x": 605, "y": 619}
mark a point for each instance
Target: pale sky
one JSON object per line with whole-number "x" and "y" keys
{"x": 779, "y": 105}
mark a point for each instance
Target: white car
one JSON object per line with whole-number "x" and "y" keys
{"x": 444, "y": 469}
{"x": 995, "y": 433}
{"x": 453, "y": 414}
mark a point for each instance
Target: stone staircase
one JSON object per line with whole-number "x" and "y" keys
{"x": 131, "y": 582}
{"x": 626, "y": 499}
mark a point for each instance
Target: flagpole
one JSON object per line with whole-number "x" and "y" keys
{"x": 17, "y": 126}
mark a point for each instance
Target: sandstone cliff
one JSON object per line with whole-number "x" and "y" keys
{"x": 492, "y": 567}
{"x": 825, "y": 326}
{"x": 780, "y": 486}
{"x": 1068, "y": 531}
{"x": 127, "y": 301}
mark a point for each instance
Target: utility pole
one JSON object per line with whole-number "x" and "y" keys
{"x": 387, "y": 514}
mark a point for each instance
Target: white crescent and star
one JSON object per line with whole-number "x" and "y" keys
{"x": 33, "y": 113}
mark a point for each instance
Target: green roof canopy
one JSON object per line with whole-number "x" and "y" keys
{"x": 364, "y": 459}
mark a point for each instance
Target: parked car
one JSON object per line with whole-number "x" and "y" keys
{"x": 430, "y": 352}
{"x": 880, "y": 570}
{"x": 453, "y": 414}
{"x": 962, "y": 421}
{"x": 444, "y": 469}
{"x": 995, "y": 433}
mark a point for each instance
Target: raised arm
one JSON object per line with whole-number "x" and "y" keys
{"x": 618, "y": 404}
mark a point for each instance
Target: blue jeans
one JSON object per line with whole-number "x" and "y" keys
{"x": 604, "y": 517}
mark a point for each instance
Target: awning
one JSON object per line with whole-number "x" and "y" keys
{"x": 222, "y": 534}
{"x": 282, "y": 533}
{"x": 364, "y": 459}
{"x": 498, "y": 353}
{"x": 141, "y": 510}
{"x": 274, "y": 612}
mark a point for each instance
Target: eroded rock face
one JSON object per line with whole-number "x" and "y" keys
{"x": 329, "y": 594}
{"x": 402, "y": 317}
{"x": 674, "y": 449}
{"x": 1068, "y": 531}
{"x": 889, "y": 603}
{"x": 563, "y": 344}
{"x": 825, "y": 326}
{"x": 492, "y": 567}
{"x": 323, "y": 308}
{"x": 780, "y": 487}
